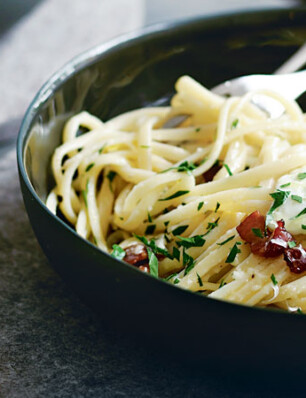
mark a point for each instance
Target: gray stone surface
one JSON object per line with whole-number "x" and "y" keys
{"x": 52, "y": 34}
{"x": 161, "y": 10}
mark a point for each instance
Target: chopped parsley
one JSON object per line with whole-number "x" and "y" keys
{"x": 200, "y": 205}
{"x": 212, "y": 225}
{"x": 188, "y": 262}
{"x": 152, "y": 245}
{"x": 167, "y": 239}
{"x": 303, "y": 226}
{"x": 233, "y": 253}
{"x": 279, "y": 198}
{"x": 85, "y": 192}
{"x": 110, "y": 176}
{"x": 273, "y": 279}
{"x": 150, "y": 229}
{"x": 179, "y": 230}
{"x": 166, "y": 223}
{"x": 300, "y": 214}
{"x": 175, "y": 195}
{"x": 235, "y": 123}
{"x": 185, "y": 166}
{"x": 199, "y": 280}
{"x": 286, "y": 185}
{"x": 227, "y": 240}
{"x": 228, "y": 169}
{"x": 301, "y": 176}
{"x": 102, "y": 149}
{"x": 90, "y": 166}
{"x": 149, "y": 217}
{"x": 299, "y": 311}
{"x": 297, "y": 198}
{"x": 195, "y": 241}
{"x": 170, "y": 276}
{"x": 202, "y": 162}
{"x": 257, "y": 232}
{"x": 176, "y": 253}
{"x": 291, "y": 244}
{"x": 176, "y": 281}
{"x": 197, "y": 129}
{"x": 153, "y": 263}
{"x": 118, "y": 252}
{"x": 222, "y": 283}
{"x": 217, "y": 207}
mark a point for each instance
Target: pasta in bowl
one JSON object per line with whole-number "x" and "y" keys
{"x": 215, "y": 205}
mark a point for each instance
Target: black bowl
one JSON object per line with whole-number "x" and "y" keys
{"x": 134, "y": 71}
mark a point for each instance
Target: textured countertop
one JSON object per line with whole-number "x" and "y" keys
{"x": 51, "y": 344}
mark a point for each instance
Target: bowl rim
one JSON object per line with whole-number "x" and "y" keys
{"x": 88, "y": 58}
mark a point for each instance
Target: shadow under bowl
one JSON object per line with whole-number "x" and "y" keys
{"x": 134, "y": 71}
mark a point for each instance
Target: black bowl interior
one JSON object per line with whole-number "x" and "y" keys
{"x": 129, "y": 74}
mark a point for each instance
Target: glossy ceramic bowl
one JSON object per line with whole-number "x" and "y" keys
{"x": 135, "y": 71}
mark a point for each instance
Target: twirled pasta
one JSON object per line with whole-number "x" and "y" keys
{"x": 131, "y": 177}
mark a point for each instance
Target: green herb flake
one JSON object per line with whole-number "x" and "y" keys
{"x": 185, "y": 166}
{"x": 197, "y": 129}
{"x": 152, "y": 245}
{"x": 175, "y": 195}
{"x": 167, "y": 239}
{"x": 166, "y": 223}
{"x": 195, "y": 241}
{"x": 176, "y": 281}
{"x": 188, "y": 262}
{"x": 291, "y": 244}
{"x": 233, "y": 253}
{"x": 273, "y": 279}
{"x": 111, "y": 175}
{"x": 285, "y": 185}
{"x": 300, "y": 214}
{"x": 202, "y": 161}
{"x": 118, "y": 252}
{"x": 149, "y": 217}
{"x": 303, "y": 226}
{"x": 179, "y": 230}
{"x": 297, "y": 198}
{"x": 200, "y": 205}
{"x": 170, "y": 277}
{"x": 301, "y": 176}
{"x": 176, "y": 253}
{"x": 227, "y": 240}
{"x": 102, "y": 149}
{"x": 217, "y": 207}
{"x": 257, "y": 232}
{"x": 199, "y": 280}
{"x": 211, "y": 226}
{"x": 228, "y": 169}
{"x": 235, "y": 123}
{"x": 153, "y": 263}
{"x": 90, "y": 166}
{"x": 150, "y": 229}
{"x": 84, "y": 193}
{"x": 222, "y": 283}
{"x": 299, "y": 311}
{"x": 279, "y": 198}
